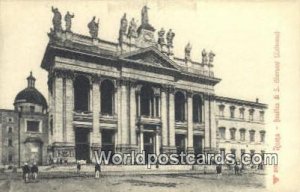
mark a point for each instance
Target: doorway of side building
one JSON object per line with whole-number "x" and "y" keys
{"x": 82, "y": 144}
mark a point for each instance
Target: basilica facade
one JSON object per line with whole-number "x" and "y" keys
{"x": 130, "y": 95}
{"x": 135, "y": 94}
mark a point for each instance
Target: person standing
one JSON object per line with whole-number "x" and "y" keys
{"x": 78, "y": 167}
{"x": 26, "y": 171}
{"x": 97, "y": 170}
{"x": 219, "y": 170}
{"x": 34, "y": 171}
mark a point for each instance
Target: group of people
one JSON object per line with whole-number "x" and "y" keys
{"x": 30, "y": 172}
{"x": 97, "y": 169}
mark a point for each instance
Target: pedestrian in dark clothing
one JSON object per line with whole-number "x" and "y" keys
{"x": 219, "y": 170}
{"x": 78, "y": 167}
{"x": 97, "y": 170}
{"x": 34, "y": 171}
{"x": 26, "y": 171}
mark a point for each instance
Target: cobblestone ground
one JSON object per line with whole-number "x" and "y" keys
{"x": 65, "y": 182}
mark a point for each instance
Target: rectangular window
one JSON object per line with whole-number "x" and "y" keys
{"x": 261, "y": 116}
{"x": 232, "y": 109}
{"x": 242, "y": 113}
{"x": 222, "y": 132}
{"x": 221, "y": 110}
{"x": 262, "y": 137}
{"x": 31, "y": 109}
{"x": 33, "y": 126}
{"x": 242, "y": 134}
{"x": 9, "y": 130}
{"x": 232, "y": 134}
{"x": 251, "y": 112}
{"x": 252, "y": 136}
{"x": 10, "y": 142}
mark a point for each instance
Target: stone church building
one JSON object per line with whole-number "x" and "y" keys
{"x": 135, "y": 94}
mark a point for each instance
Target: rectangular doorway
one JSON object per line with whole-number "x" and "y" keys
{"x": 180, "y": 143}
{"x": 82, "y": 144}
{"x": 198, "y": 144}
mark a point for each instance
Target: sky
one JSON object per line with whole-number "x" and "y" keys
{"x": 241, "y": 34}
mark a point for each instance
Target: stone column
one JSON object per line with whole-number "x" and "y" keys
{"x": 154, "y": 107}
{"x": 125, "y": 116}
{"x": 70, "y": 137}
{"x": 190, "y": 134}
{"x": 141, "y": 138}
{"x": 138, "y": 94}
{"x": 133, "y": 115}
{"x": 171, "y": 119}
{"x": 164, "y": 118}
{"x": 118, "y": 113}
{"x": 158, "y": 110}
{"x": 58, "y": 107}
{"x": 207, "y": 146}
{"x": 157, "y": 141}
{"x": 96, "y": 102}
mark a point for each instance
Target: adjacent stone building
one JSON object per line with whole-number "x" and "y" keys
{"x": 241, "y": 126}
{"x": 24, "y": 130}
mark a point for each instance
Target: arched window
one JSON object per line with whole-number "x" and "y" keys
{"x": 197, "y": 109}
{"x": 107, "y": 97}
{"x": 81, "y": 93}
{"x": 147, "y": 96}
{"x": 179, "y": 106}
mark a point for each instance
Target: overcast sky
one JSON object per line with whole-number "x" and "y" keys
{"x": 240, "y": 33}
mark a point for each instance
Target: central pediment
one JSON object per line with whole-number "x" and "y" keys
{"x": 150, "y": 56}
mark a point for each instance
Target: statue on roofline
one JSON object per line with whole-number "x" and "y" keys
{"x": 68, "y": 20}
{"x": 145, "y": 19}
{"x": 93, "y": 27}
{"x": 161, "y": 39}
{"x": 211, "y": 56}
{"x": 124, "y": 24}
{"x": 56, "y": 20}
{"x": 187, "y": 51}
{"x": 132, "y": 29}
{"x": 170, "y": 37}
{"x": 204, "y": 57}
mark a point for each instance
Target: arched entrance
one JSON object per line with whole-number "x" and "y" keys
{"x": 107, "y": 97}
{"x": 197, "y": 109}
{"x": 179, "y": 106}
{"x": 33, "y": 150}
{"x": 81, "y": 93}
